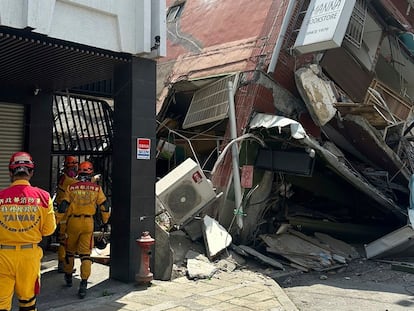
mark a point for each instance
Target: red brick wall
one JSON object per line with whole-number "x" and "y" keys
{"x": 204, "y": 24}
{"x": 263, "y": 101}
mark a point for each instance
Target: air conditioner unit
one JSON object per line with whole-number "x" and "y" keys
{"x": 184, "y": 191}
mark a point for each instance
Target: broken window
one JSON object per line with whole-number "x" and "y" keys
{"x": 356, "y": 24}
{"x": 174, "y": 12}
{"x": 366, "y": 50}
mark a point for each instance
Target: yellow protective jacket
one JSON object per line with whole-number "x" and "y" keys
{"x": 83, "y": 197}
{"x": 26, "y": 214}
{"x": 63, "y": 184}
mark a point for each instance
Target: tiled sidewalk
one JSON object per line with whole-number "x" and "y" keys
{"x": 237, "y": 290}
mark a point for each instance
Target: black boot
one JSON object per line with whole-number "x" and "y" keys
{"x": 82, "y": 289}
{"x": 60, "y": 267}
{"x": 68, "y": 279}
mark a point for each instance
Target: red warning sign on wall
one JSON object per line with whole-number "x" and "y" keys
{"x": 247, "y": 176}
{"x": 143, "y": 148}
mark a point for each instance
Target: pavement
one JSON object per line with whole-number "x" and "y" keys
{"x": 241, "y": 289}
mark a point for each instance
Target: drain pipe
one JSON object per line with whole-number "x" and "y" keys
{"x": 235, "y": 158}
{"x": 281, "y": 37}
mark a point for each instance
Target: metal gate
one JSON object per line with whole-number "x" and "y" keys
{"x": 83, "y": 127}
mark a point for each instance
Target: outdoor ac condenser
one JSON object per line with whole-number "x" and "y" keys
{"x": 184, "y": 191}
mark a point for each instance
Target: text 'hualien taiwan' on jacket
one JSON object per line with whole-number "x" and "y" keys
{"x": 83, "y": 197}
{"x": 26, "y": 214}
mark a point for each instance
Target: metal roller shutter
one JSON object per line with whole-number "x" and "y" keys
{"x": 11, "y": 137}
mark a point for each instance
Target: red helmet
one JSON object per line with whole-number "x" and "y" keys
{"x": 71, "y": 161}
{"x": 21, "y": 159}
{"x": 85, "y": 168}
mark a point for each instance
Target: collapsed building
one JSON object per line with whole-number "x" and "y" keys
{"x": 299, "y": 112}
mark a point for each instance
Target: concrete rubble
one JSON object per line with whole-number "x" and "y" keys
{"x": 325, "y": 155}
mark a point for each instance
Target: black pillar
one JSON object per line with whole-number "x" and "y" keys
{"x": 133, "y": 183}
{"x": 39, "y": 136}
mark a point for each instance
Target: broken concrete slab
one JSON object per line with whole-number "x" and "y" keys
{"x": 181, "y": 244}
{"x": 194, "y": 229}
{"x": 198, "y": 269}
{"x": 216, "y": 237}
{"x": 233, "y": 256}
{"x": 225, "y": 265}
{"x": 317, "y": 93}
{"x": 238, "y": 250}
{"x": 353, "y": 179}
{"x": 164, "y": 257}
{"x": 359, "y": 134}
{"x": 399, "y": 242}
{"x": 196, "y": 255}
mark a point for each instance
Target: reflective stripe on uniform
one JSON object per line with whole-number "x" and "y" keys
{"x": 23, "y": 246}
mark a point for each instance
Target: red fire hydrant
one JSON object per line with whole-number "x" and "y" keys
{"x": 144, "y": 275}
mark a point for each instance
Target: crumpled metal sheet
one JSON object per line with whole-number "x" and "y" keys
{"x": 269, "y": 121}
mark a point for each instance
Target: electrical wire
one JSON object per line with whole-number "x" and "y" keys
{"x": 229, "y": 145}
{"x": 183, "y": 137}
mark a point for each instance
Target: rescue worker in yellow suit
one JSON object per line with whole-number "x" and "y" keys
{"x": 81, "y": 201}
{"x": 26, "y": 215}
{"x": 70, "y": 170}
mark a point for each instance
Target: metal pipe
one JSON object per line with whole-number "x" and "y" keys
{"x": 281, "y": 37}
{"x": 235, "y": 158}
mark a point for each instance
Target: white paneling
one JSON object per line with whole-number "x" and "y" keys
{"x": 127, "y": 26}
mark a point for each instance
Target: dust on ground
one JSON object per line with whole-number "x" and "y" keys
{"x": 366, "y": 272}
{"x": 363, "y": 284}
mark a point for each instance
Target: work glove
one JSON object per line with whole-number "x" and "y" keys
{"x": 105, "y": 227}
{"x": 96, "y": 178}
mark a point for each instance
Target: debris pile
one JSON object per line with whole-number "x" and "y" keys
{"x": 332, "y": 171}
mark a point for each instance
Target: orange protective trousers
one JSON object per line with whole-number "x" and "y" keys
{"x": 20, "y": 272}
{"x": 79, "y": 231}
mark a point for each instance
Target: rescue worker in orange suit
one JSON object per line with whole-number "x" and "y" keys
{"x": 81, "y": 201}
{"x": 70, "y": 170}
{"x": 26, "y": 215}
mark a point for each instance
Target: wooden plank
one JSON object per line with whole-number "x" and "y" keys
{"x": 263, "y": 258}
{"x": 306, "y": 262}
{"x": 338, "y": 246}
{"x": 334, "y": 267}
{"x": 406, "y": 267}
{"x": 337, "y": 255}
{"x": 102, "y": 256}
{"x": 310, "y": 239}
{"x": 398, "y": 105}
{"x": 289, "y": 246}
{"x": 299, "y": 267}
{"x": 368, "y": 111}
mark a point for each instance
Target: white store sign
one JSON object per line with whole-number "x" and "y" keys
{"x": 324, "y": 25}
